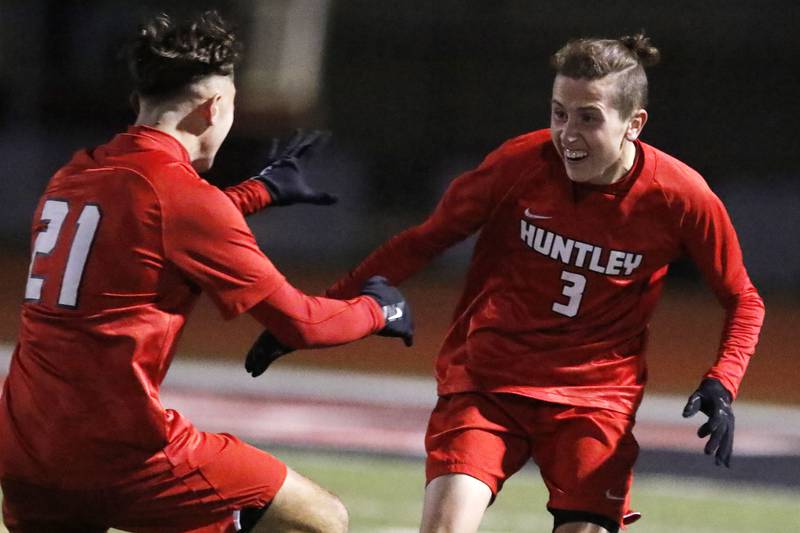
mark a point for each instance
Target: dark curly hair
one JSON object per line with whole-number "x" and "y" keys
{"x": 596, "y": 58}
{"x": 168, "y": 55}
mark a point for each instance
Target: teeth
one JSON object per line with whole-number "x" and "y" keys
{"x": 575, "y": 154}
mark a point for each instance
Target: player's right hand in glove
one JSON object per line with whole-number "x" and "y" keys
{"x": 396, "y": 311}
{"x": 715, "y": 401}
{"x": 285, "y": 176}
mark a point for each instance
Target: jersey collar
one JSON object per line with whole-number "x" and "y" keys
{"x": 624, "y": 184}
{"x": 642, "y": 170}
{"x": 147, "y": 138}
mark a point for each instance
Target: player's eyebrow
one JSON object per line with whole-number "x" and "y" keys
{"x": 591, "y": 107}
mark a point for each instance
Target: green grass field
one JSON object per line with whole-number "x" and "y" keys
{"x": 385, "y": 496}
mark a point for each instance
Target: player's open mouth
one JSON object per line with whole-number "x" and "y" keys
{"x": 573, "y": 156}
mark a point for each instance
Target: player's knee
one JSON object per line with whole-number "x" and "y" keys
{"x": 327, "y": 515}
{"x": 302, "y": 505}
{"x": 337, "y": 516}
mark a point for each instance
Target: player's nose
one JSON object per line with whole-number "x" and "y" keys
{"x": 568, "y": 138}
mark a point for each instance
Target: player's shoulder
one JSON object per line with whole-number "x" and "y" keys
{"x": 527, "y": 144}
{"x": 524, "y": 150}
{"x": 98, "y": 173}
{"x": 675, "y": 179}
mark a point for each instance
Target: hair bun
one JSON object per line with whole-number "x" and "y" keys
{"x": 640, "y": 45}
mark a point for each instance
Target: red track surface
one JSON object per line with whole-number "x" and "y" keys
{"x": 380, "y": 427}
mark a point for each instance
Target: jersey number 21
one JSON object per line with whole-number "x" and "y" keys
{"x": 54, "y": 212}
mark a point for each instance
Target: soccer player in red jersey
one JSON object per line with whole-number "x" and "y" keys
{"x": 125, "y": 238}
{"x": 545, "y": 356}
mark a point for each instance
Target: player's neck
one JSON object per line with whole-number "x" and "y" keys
{"x": 172, "y": 125}
{"x": 623, "y": 166}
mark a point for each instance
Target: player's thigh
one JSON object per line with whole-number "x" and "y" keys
{"x": 302, "y": 505}
{"x": 224, "y": 479}
{"x": 586, "y": 460}
{"x": 473, "y": 434}
{"x": 454, "y": 503}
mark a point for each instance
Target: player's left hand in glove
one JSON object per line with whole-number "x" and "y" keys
{"x": 285, "y": 176}
{"x": 263, "y": 353}
{"x": 715, "y": 401}
{"x": 396, "y": 311}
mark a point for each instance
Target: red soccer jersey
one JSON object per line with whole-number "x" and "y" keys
{"x": 564, "y": 277}
{"x": 125, "y": 238}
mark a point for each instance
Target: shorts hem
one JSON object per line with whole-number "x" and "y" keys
{"x": 443, "y": 469}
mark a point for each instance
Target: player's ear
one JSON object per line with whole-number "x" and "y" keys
{"x": 209, "y": 109}
{"x": 636, "y": 124}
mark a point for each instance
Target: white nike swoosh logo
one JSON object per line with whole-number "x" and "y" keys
{"x": 397, "y": 313}
{"x": 610, "y": 496}
{"x": 531, "y": 214}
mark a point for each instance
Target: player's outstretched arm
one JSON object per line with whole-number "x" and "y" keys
{"x": 396, "y": 320}
{"x": 466, "y": 204}
{"x": 716, "y": 402}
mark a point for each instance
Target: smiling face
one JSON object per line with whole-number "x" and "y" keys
{"x": 595, "y": 143}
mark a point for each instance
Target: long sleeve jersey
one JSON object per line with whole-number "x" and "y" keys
{"x": 564, "y": 277}
{"x": 125, "y": 238}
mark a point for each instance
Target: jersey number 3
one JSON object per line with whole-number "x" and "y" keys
{"x": 54, "y": 212}
{"x": 574, "y": 285}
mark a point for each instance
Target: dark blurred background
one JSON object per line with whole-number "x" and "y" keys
{"x": 417, "y": 91}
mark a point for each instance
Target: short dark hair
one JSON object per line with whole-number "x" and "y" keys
{"x": 167, "y": 55}
{"x": 596, "y": 58}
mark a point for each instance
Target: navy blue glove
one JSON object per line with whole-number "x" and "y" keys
{"x": 396, "y": 311}
{"x": 263, "y": 353}
{"x": 285, "y": 178}
{"x": 715, "y": 401}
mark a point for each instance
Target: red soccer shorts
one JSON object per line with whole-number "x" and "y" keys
{"x": 585, "y": 455}
{"x": 203, "y": 494}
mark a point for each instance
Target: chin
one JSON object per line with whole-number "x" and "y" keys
{"x": 578, "y": 178}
